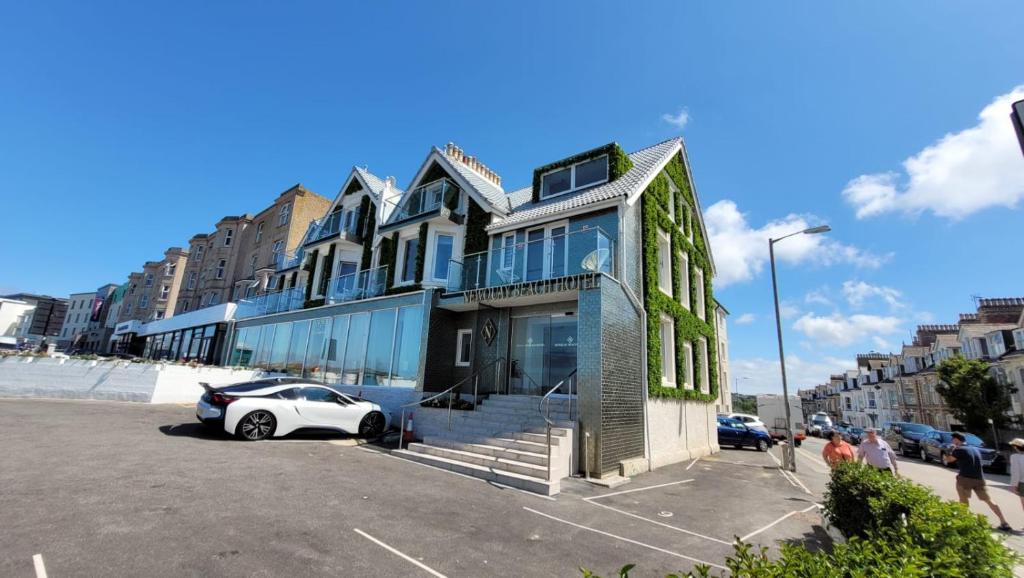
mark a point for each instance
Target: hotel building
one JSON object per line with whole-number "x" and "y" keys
{"x": 588, "y": 291}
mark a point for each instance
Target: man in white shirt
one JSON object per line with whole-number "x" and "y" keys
{"x": 877, "y": 452}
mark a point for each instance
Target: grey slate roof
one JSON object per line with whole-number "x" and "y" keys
{"x": 375, "y": 183}
{"x": 646, "y": 163}
{"x": 494, "y": 194}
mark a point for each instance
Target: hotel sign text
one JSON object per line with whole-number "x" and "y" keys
{"x": 540, "y": 287}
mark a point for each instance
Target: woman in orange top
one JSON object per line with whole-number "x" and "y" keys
{"x": 837, "y": 451}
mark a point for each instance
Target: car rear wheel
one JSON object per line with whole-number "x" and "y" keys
{"x": 256, "y": 425}
{"x": 762, "y": 445}
{"x": 372, "y": 424}
{"x": 924, "y": 456}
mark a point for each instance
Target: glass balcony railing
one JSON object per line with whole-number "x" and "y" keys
{"x": 586, "y": 251}
{"x": 355, "y": 286}
{"x": 334, "y": 224}
{"x": 424, "y": 199}
{"x": 269, "y": 303}
{"x": 287, "y": 260}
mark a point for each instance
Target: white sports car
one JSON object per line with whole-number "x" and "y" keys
{"x": 256, "y": 410}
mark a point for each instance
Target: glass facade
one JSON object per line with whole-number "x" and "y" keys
{"x": 197, "y": 344}
{"x": 380, "y": 347}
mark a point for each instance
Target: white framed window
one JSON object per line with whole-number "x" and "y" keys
{"x": 668, "y": 351}
{"x": 221, "y": 266}
{"x": 191, "y": 280}
{"x": 508, "y": 251}
{"x": 259, "y": 232}
{"x": 705, "y": 376}
{"x": 158, "y": 315}
{"x": 409, "y": 248}
{"x": 350, "y": 219}
{"x": 252, "y": 264}
{"x": 229, "y": 236}
{"x": 1018, "y": 338}
{"x": 282, "y": 216}
{"x": 128, "y": 309}
{"x": 444, "y": 245}
{"x": 568, "y": 179}
{"x": 688, "y": 359}
{"x": 170, "y": 269}
{"x": 464, "y": 348}
{"x": 278, "y": 247}
{"x": 199, "y": 253}
{"x": 184, "y": 306}
{"x": 698, "y": 278}
{"x": 664, "y": 262}
{"x": 149, "y": 280}
{"x": 214, "y": 298}
{"x": 684, "y": 279}
{"x": 165, "y": 290}
{"x": 143, "y": 301}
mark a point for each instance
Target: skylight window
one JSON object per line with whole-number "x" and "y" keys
{"x": 577, "y": 176}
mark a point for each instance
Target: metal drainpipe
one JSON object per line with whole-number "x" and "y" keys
{"x": 643, "y": 342}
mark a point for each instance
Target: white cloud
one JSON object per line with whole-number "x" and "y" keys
{"x": 677, "y": 120}
{"x": 840, "y": 330}
{"x": 817, "y": 296}
{"x": 741, "y": 251}
{"x": 746, "y": 319}
{"x": 858, "y": 293}
{"x": 788, "y": 309}
{"x": 960, "y": 174}
{"x": 765, "y": 377}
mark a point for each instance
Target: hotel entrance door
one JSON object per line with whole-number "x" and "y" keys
{"x": 543, "y": 353}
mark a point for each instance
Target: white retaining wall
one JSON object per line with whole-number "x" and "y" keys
{"x": 681, "y": 430}
{"x": 111, "y": 380}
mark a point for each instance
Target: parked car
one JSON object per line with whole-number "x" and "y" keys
{"x": 938, "y": 444}
{"x": 904, "y": 437}
{"x": 853, "y": 435}
{"x": 818, "y": 421}
{"x": 752, "y": 421}
{"x": 737, "y": 434}
{"x": 276, "y": 407}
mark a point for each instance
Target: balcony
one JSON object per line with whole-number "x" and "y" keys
{"x": 586, "y": 251}
{"x": 334, "y": 224}
{"x": 270, "y": 303}
{"x": 425, "y": 199}
{"x": 283, "y": 261}
{"x": 355, "y": 286}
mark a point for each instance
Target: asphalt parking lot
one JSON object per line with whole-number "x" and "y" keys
{"x": 118, "y": 489}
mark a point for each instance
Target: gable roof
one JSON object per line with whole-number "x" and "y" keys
{"x": 370, "y": 182}
{"x": 487, "y": 194}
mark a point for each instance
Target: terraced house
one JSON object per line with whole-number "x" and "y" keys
{"x": 580, "y": 304}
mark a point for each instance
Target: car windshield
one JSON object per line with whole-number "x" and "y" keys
{"x": 945, "y": 437}
{"x": 916, "y": 427}
{"x": 973, "y": 440}
{"x": 856, "y": 430}
{"x": 819, "y": 420}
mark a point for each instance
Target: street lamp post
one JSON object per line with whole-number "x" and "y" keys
{"x": 789, "y": 455}
{"x": 736, "y": 383}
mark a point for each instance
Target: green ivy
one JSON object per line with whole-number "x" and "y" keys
{"x": 310, "y": 267}
{"x": 325, "y": 275}
{"x": 388, "y": 256}
{"x": 688, "y": 327}
{"x": 370, "y": 216}
{"x": 476, "y": 233}
{"x": 421, "y": 252}
{"x": 618, "y": 164}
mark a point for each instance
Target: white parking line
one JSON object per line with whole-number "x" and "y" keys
{"x": 37, "y": 561}
{"x": 759, "y": 530}
{"x": 610, "y": 535}
{"x": 695, "y": 460}
{"x": 636, "y": 490}
{"x": 676, "y": 528}
{"x": 397, "y": 553}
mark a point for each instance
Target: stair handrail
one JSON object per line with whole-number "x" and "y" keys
{"x": 545, "y": 404}
{"x": 476, "y": 383}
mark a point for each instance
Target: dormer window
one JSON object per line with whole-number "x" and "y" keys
{"x": 575, "y": 177}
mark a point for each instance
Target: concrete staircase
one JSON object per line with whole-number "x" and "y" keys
{"x": 503, "y": 440}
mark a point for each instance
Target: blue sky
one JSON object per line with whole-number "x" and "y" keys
{"x": 126, "y": 128}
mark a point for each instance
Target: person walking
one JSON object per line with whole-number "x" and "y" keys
{"x": 970, "y": 478}
{"x": 877, "y": 453}
{"x": 837, "y": 451}
{"x": 1017, "y": 468}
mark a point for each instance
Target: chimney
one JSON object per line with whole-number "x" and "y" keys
{"x": 453, "y": 152}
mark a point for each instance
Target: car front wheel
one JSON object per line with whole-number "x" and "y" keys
{"x": 256, "y": 425}
{"x": 372, "y": 424}
{"x": 762, "y": 445}
{"x": 924, "y": 456}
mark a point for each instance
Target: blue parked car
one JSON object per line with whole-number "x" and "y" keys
{"x": 736, "y": 434}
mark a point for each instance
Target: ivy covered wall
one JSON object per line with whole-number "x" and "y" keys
{"x": 688, "y": 327}
{"x": 618, "y": 164}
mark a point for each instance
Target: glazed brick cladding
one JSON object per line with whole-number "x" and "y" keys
{"x": 622, "y": 406}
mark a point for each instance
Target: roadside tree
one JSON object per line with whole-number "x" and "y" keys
{"x": 973, "y": 394}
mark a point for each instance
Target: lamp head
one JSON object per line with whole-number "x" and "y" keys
{"x": 816, "y": 230}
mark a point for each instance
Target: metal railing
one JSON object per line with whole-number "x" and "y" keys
{"x": 273, "y": 302}
{"x": 589, "y": 250}
{"x": 544, "y": 408}
{"x": 423, "y": 199}
{"x": 360, "y": 285}
{"x": 451, "y": 391}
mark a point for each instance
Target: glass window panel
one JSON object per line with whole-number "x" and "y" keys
{"x": 336, "y": 349}
{"x": 558, "y": 253}
{"x": 297, "y": 347}
{"x": 442, "y": 253}
{"x": 355, "y": 350}
{"x": 236, "y": 351}
{"x": 556, "y": 182}
{"x": 535, "y": 254}
{"x": 279, "y": 348}
{"x": 378, "y": 353}
{"x": 590, "y": 172}
{"x": 405, "y": 366}
{"x": 409, "y": 266}
{"x": 316, "y": 353}
{"x": 263, "y": 351}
